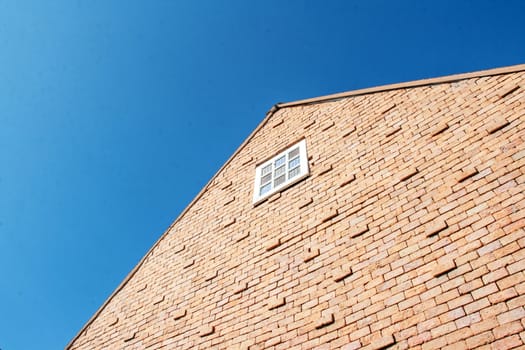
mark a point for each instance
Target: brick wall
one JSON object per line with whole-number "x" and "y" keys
{"x": 409, "y": 233}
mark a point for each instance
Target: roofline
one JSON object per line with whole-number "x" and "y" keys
{"x": 269, "y": 114}
{"x": 274, "y": 109}
{"x": 410, "y": 84}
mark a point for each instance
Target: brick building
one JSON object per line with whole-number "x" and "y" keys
{"x": 390, "y": 217}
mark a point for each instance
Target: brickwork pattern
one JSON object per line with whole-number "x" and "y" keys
{"x": 409, "y": 233}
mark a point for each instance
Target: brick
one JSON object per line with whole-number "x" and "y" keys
{"x": 419, "y": 339}
{"x": 142, "y": 287}
{"x": 113, "y": 321}
{"x": 393, "y": 131}
{"x": 507, "y": 90}
{"x": 229, "y": 200}
{"x": 311, "y": 254}
{"x": 130, "y": 336}
{"x": 484, "y": 291}
{"x": 179, "y": 248}
{"x": 276, "y": 302}
{"x": 434, "y": 344}
{"x": 358, "y": 231}
{"x": 179, "y": 314}
{"x": 480, "y": 339}
{"x": 485, "y": 325}
{"x": 206, "y": 330}
{"x": 407, "y": 174}
{"x": 383, "y": 342}
{"x": 274, "y": 197}
{"x": 495, "y": 275}
{"x": 459, "y": 301}
{"x": 468, "y": 320}
{"x": 158, "y": 299}
{"x": 325, "y": 321}
{"x": 435, "y": 228}
{"x": 348, "y": 131}
{"x": 188, "y": 263}
{"x": 507, "y": 343}
{"x": 325, "y": 169}
{"x": 327, "y": 125}
{"x": 211, "y": 275}
{"x": 242, "y": 236}
{"x": 247, "y": 161}
{"x": 305, "y": 202}
{"x": 503, "y": 296}
{"x": 439, "y": 129}
{"x": 241, "y": 287}
{"x": 278, "y": 122}
{"x": 329, "y": 214}
{"x": 516, "y": 267}
{"x": 347, "y": 180}
{"x": 359, "y": 332}
{"x": 444, "y": 267}
{"x": 274, "y": 243}
{"x": 226, "y": 185}
{"x": 229, "y": 222}
{"x": 515, "y": 302}
{"x": 497, "y": 125}
{"x": 388, "y": 108}
{"x": 466, "y": 174}
{"x": 340, "y": 275}
{"x": 310, "y": 124}
{"x": 476, "y": 305}
{"x": 507, "y": 329}
{"x": 443, "y": 329}
{"x": 512, "y": 315}
{"x": 352, "y": 346}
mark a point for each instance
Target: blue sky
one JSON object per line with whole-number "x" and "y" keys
{"x": 114, "y": 114}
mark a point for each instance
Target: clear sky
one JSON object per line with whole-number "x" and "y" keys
{"x": 114, "y": 114}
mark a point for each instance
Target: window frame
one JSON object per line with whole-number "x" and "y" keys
{"x": 303, "y": 169}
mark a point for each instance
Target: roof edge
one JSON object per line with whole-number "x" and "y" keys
{"x": 409, "y": 84}
{"x": 269, "y": 114}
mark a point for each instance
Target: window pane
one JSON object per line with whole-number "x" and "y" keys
{"x": 266, "y": 179}
{"x": 279, "y": 171}
{"x": 265, "y": 188}
{"x": 293, "y": 173}
{"x": 280, "y": 161}
{"x": 279, "y": 181}
{"x": 285, "y": 168}
{"x": 293, "y": 153}
{"x": 267, "y": 169}
{"x": 293, "y": 163}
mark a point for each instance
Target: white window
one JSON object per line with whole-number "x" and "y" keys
{"x": 281, "y": 171}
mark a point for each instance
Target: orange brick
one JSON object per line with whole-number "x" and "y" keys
{"x": 130, "y": 336}
{"x": 274, "y": 243}
{"x": 311, "y": 254}
{"x": 512, "y": 315}
{"x": 444, "y": 267}
{"x": 383, "y": 342}
{"x": 158, "y": 299}
{"x": 439, "y": 129}
{"x": 358, "y": 231}
{"x": 435, "y": 228}
{"x": 325, "y": 321}
{"x": 179, "y": 314}
{"x": 206, "y": 330}
{"x": 276, "y": 302}
{"x": 497, "y": 125}
{"x": 341, "y": 274}
{"x": 113, "y": 321}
